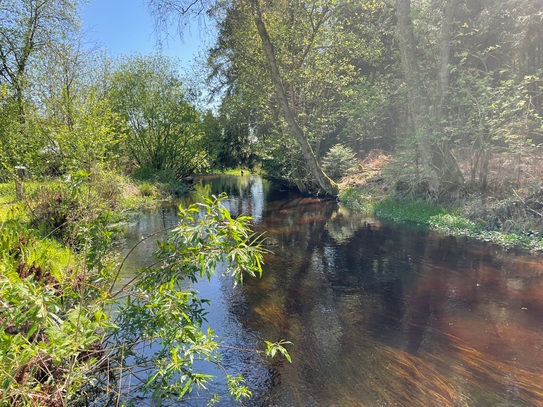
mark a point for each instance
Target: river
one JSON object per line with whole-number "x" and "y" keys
{"x": 378, "y": 314}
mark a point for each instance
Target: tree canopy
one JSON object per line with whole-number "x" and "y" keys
{"x": 163, "y": 128}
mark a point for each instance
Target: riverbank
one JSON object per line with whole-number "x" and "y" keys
{"x": 60, "y": 280}
{"x": 56, "y": 267}
{"x": 511, "y": 219}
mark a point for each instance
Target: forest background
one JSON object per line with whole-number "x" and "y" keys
{"x": 428, "y": 101}
{"x": 448, "y": 91}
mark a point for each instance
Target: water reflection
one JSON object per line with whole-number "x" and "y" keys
{"x": 395, "y": 316}
{"x": 378, "y": 315}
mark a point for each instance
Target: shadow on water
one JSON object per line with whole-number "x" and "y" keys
{"x": 378, "y": 315}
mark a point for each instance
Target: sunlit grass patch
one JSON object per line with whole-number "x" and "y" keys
{"x": 7, "y": 192}
{"x": 415, "y": 211}
{"x": 454, "y": 224}
{"x": 7, "y": 202}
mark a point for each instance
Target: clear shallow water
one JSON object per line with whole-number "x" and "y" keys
{"x": 378, "y": 315}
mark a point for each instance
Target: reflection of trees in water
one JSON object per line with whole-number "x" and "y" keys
{"x": 246, "y": 193}
{"x": 293, "y": 300}
{"x": 382, "y": 315}
{"x": 388, "y": 315}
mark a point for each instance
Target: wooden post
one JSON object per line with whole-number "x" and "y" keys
{"x": 19, "y": 181}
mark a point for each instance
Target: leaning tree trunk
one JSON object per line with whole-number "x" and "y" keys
{"x": 329, "y": 186}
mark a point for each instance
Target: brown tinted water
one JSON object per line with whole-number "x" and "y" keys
{"x": 379, "y": 315}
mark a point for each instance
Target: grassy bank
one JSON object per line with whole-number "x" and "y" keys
{"x": 61, "y": 344}
{"x": 56, "y": 267}
{"x": 446, "y": 220}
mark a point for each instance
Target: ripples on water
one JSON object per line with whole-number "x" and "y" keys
{"x": 378, "y": 315}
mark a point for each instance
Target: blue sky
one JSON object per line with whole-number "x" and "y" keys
{"x": 125, "y": 27}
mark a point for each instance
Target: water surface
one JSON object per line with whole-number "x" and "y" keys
{"x": 379, "y": 315}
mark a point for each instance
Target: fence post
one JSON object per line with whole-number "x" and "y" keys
{"x": 19, "y": 181}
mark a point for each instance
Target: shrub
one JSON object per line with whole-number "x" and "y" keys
{"x": 339, "y": 161}
{"x": 61, "y": 347}
{"x": 354, "y": 199}
{"x": 78, "y": 211}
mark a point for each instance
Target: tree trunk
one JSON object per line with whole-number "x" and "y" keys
{"x": 329, "y": 186}
{"x": 440, "y": 167}
{"x": 414, "y": 97}
{"x": 451, "y": 174}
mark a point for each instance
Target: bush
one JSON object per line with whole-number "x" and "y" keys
{"x": 78, "y": 211}
{"x": 60, "y": 346}
{"x": 339, "y": 161}
{"x": 354, "y": 199}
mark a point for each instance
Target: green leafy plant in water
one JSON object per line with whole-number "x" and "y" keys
{"x": 272, "y": 348}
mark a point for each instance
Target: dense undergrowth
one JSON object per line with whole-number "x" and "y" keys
{"x": 61, "y": 344}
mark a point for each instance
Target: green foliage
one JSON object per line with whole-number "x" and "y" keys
{"x": 78, "y": 211}
{"x": 160, "y": 307}
{"x": 60, "y": 344}
{"x": 368, "y": 112}
{"x": 322, "y": 50}
{"x": 164, "y": 131}
{"x": 435, "y": 217}
{"x": 339, "y": 161}
{"x": 229, "y": 139}
{"x": 164, "y": 181}
{"x": 455, "y": 225}
{"x": 93, "y": 140}
{"x": 272, "y": 348}
{"x": 50, "y": 332}
{"x": 353, "y": 199}
{"x": 418, "y": 212}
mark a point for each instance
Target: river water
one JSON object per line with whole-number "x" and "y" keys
{"x": 379, "y": 315}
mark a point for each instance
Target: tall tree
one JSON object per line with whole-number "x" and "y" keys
{"x": 440, "y": 167}
{"x": 27, "y": 27}
{"x": 329, "y": 186}
{"x": 257, "y": 12}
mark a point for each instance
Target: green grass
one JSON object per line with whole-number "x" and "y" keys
{"x": 404, "y": 210}
{"x": 437, "y": 218}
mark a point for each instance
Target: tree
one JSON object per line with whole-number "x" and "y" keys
{"x": 441, "y": 170}
{"x": 28, "y": 27}
{"x": 229, "y": 139}
{"x": 79, "y": 127}
{"x": 164, "y": 131}
{"x": 256, "y": 13}
{"x": 329, "y": 186}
